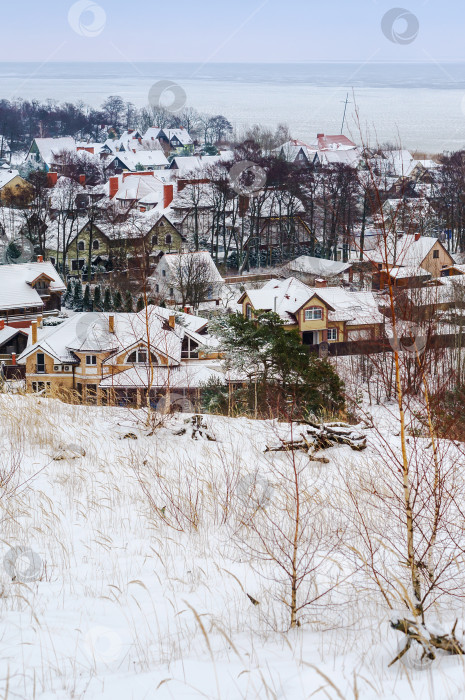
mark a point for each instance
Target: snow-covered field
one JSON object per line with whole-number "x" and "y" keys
{"x": 135, "y": 574}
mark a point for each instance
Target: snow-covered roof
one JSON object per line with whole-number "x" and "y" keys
{"x": 184, "y": 376}
{"x": 90, "y": 332}
{"x": 202, "y": 257}
{"x": 186, "y": 164}
{"x": 7, "y": 176}
{"x": 286, "y": 297}
{"x": 154, "y": 133}
{"x": 407, "y": 250}
{"x": 317, "y": 266}
{"x": 49, "y": 147}
{"x": 16, "y": 280}
{"x": 146, "y": 159}
{"x": 407, "y": 272}
{"x": 9, "y": 332}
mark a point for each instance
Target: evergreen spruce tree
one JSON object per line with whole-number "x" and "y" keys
{"x": 97, "y": 298}
{"x": 78, "y": 298}
{"x": 117, "y": 301}
{"x": 107, "y": 300}
{"x": 69, "y": 295}
{"x": 128, "y": 303}
{"x": 140, "y": 304}
{"x": 87, "y": 305}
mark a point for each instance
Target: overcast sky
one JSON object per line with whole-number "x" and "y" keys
{"x": 229, "y": 31}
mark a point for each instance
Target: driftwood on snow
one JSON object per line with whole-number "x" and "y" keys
{"x": 416, "y": 632}
{"x": 319, "y": 437}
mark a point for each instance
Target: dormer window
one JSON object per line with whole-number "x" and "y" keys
{"x": 314, "y": 314}
{"x": 140, "y": 357}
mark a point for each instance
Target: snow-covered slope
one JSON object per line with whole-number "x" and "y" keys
{"x": 132, "y": 582}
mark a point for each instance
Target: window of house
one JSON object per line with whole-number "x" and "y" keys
{"x": 154, "y": 240}
{"x": 40, "y": 386}
{"x": 435, "y": 253}
{"x": 332, "y": 333}
{"x": 163, "y": 273}
{"x": 171, "y": 292}
{"x": 314, "y": 314}
{"x": 168, "y": 239}
{"x": 157, "y": 288}
{"x": 96, "y": 245}
{"x": 91, "y": 359}
{"x": 40, "y": 357}
{"x": 81, "y": 245}
{"x": 248, "y": 311}
{"x": 52, "y": 260}
{"x": 140, "y": 357}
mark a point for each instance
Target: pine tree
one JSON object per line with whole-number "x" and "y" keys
{"x": 140, "y": 304}
{"x": 107, "y": 300}
{"x": 97, "y": 298}
{"x": 69, "y": 295}
{"x": 87, "y": 299}
{"x": 128, "y": 303}
{"x": 117, "y": 301}
{"x": 78, "y": 298}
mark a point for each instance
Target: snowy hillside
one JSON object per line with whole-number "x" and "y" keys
{"x": 142, "y": 568}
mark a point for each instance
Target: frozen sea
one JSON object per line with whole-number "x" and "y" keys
{"x": 421, "y": 106}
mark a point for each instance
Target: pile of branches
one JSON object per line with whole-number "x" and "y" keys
{"x": 196, "y": 428}
{"x": 316, "y": 437}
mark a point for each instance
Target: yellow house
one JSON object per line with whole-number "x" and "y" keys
{"x": 119, "y": 358}
{"x": 322, "y": 314}
{"x": 14, "y": 190}
{"x": 410, "y": 259}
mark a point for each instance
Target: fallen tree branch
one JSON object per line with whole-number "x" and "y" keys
{"x": 321, "y": 437}
{"x": 416, "y": 632}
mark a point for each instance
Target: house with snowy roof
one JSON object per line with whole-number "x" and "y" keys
{"x": 28, "y": 291}
{"x": 407, "y": 259}
{"x": 319, "y": 314}
{"x": 297, "y": 152}
{"x": 121, "y": 359}
{"x": 134, "y": 161}
{"x": 42, "y": 151}
{"x": 191, "y": 278}
{"x": 13, "y": 187}
{"x": 173, "y": 140}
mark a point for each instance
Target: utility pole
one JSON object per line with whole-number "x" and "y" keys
{"x": 345, "y": 103}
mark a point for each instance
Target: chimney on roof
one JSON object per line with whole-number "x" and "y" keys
{"x": 82, "y": 180}
{"x": 111, "y": 324}
{"x": 321, "y": 283}
{"x": 187, "y": 309}
{"x": 168, "y": 193}
{"x": 417, "y": 237}
{"x": 320, "y": 136}
{"x": 34, "y": 332}
{"x": 40, "y": 258}
{"x": 39, "y": 321}
{"x": 52, "y": 179}
{"x": 13, "y": 358}
{"x": 114, "y": 186}
{"x": 2, "y": 324}
{"x": 172, "y": 320}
